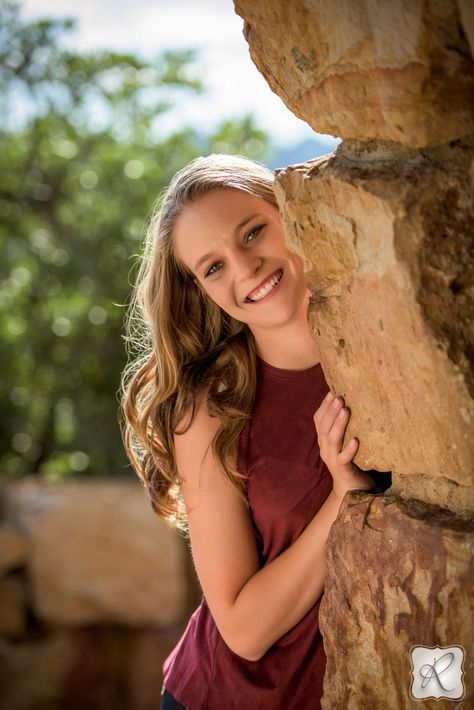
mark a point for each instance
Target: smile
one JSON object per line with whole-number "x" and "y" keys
{"x": 265, "y": 289}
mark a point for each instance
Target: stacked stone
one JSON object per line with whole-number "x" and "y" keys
{"x": 385, "y": 225}
{"x": 94, "y": 594}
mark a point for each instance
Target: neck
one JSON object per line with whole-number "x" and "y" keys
{"x": 290, "y": 346}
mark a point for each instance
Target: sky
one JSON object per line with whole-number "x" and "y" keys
{"x": 235, "y": 86}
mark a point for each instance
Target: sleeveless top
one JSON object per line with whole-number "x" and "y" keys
{"x": 288, "y": 483}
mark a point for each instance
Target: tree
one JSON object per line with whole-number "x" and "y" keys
{"x": 80, "y": 169}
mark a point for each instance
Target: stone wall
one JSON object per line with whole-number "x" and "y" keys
{"x": 95, "y": 591}
{"x": 385, "y": 225}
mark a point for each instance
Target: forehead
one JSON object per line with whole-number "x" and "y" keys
{"x": 211, "y": 218}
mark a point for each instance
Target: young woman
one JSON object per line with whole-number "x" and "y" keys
{"x": 233, "y": 430}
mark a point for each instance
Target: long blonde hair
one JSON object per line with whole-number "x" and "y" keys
{"x": 181, "y": 344}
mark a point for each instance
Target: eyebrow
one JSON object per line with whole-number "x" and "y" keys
{"x": 241, "y": 224}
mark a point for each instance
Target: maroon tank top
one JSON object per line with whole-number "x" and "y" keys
{"x": 288, "y": 483}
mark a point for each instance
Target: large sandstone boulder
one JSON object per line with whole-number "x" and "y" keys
{"x": 396, "y": 70}
{"x": 400, "y": 574}
{"x": 385, "y": 226}
{"x": 97, "y": 552}
{"x": 387, "y": 240}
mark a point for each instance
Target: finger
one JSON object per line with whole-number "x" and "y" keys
{"x": 336, "y": 433}
{"x": 348, "y": 452}
{"x": 326, "y": 402}
{"x": 323, "y": 407}
{"x": 329, "y": 417}
{"x": 335, "y": 437}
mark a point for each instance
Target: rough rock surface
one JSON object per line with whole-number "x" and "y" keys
{"x": 386, "y": 235}
{"x": 396, "y": 70}
{"x": 400, "y": 573}
{"x": 97, "y": 553}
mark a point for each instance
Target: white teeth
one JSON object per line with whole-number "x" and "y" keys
{"x": 266, "y": 288}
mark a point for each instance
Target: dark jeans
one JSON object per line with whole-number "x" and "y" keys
{"x": 168, "y": 702}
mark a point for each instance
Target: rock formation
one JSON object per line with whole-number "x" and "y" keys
{"x": 385, "y": 225}
{"x": 397, "y": 70}
{"x": 93, "y": 595}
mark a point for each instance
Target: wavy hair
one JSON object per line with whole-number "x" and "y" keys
{"x": 180, "y": 344}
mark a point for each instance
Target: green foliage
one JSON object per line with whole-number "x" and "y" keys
{"x": 80, "y": 170}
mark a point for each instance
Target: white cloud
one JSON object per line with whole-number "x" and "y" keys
{"x": 235, "y": 86}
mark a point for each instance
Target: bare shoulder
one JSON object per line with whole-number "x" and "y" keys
{"x": 192, "y": 446}
{"x": 201, "y": 474}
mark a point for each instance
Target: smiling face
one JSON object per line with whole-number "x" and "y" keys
{"x": 234, "y": 244}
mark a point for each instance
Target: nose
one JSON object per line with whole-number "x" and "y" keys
{"x": 246, "y": 265}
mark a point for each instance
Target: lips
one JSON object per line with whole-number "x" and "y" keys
{"x": 262, "y": 283}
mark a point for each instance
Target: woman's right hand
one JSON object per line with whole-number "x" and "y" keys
{"x": 331, "y": 420}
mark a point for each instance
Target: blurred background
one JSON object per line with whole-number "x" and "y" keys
{"x": 101, "y": 102}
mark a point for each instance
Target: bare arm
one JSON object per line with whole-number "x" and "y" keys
{"x": 278, "y": 596}
{"x": 251, "y": 607}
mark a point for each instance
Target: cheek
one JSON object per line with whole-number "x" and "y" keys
{"x": 219, "y": 293}
{"x": 300, "y": 276}
{"x": 297, "y": 261}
